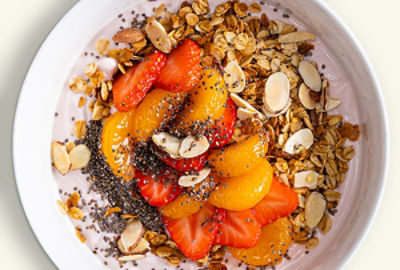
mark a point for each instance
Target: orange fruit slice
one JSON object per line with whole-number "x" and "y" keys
{"x": 157, "y": 106}
{"x": 181, "y": 207}
{"x": 207, "y": 100}
{"x": 245, "y": 191}
{"x": 115, "y": 144}
{"x": 239, "y": 158}
{"x": 273, "y": 244}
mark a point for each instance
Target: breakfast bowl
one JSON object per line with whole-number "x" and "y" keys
{"x": 47, "y": 111}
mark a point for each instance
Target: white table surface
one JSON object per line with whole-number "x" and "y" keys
{"x": 24, "y": 24}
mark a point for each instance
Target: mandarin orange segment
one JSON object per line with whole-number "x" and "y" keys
{"x": 245, "y": 191}
{"x": 207, "y": 100}
{"x": 158, "y": 106}
{"x": 181, "y": 207}
{"x": 115, "y": 145}
{"x": 273, "y": 244}
{"x": 239, "y": 158}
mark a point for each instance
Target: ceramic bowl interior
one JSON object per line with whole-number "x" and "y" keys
{"x": 49, "y": 73}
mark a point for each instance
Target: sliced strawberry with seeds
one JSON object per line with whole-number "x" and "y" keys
{"x": 130, "y": 88}
{"x": 159, "y": 191}
{"x": 239, "y": 229}
{"x": 194, "y": 235}
{"x": 222, "y": 131}
{"x": 186, "y": 164}
{"x": 182, "y": 69}
{"x": 279, "y": 202}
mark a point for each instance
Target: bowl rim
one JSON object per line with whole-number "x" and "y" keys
{"x": 366, "y": 61}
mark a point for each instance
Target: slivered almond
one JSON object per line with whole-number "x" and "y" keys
{"x": 234, "y": 77}
{"x": 310, "y": 75}
{"x": 191, "y": 180}
{"x": 244, "y": 114}
{"x": 142, "y": 247}
{"x": 302, "y": 139}
{"x": 129, "y": 35}
{"x": 60, "y": 157}
{"x": 331, "y": 103}
{"x": 295, "y": 37}
{"x": 193, "y": 146}
{"x": 276, "y": 95}
{"x": 305, "y": 98}
{"x": 275, "y": 114}
{"x": 134, "y": 257}
{"x": 240, "y": 102}
{"x": 314, "y": 209}
{"x": 307, "y": 179}
{"x": 131, "y": 235}
{"x": 79, "y": 156}
{"x": 168, "y": 143}
{"x": 158, "y": 36}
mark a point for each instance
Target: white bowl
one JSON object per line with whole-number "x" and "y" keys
{"x": 49, "y": 73}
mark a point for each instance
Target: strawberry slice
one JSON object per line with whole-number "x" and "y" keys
{"x": 222, "y": 131}
{"x": 182, "y": 69}
{"x": 130, "y": 88}
{"x": 194, "y": 235}
{"x": 186, "y": 164}
{"x": 160, "y": 191}
{"x": 239, "y": 229}
{"x": 279, "y": 202}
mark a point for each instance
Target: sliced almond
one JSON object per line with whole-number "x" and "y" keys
{"x": 240, "y": 102}
{"x": 307, "y": 179}
{"x": 129, "y": 35}
{"x": 79, "y": 156}
{"x": 331, "y": 103}
{"x": 168, "y": 143}
{"x": 277, "y": 89}
{"x": 193, "y": 146}
{"x": 244, "y": 114}
{"x": 305, "y": 98}
{"x": 234, "y": 77}
{"x": 295, "y": 37}
{"x": 310, "y": 75}
{"x": 191, "y": 180}
{"x": 134, "y": 257}
{"x": 314, "y": 209}
{"x": 158, "y": 36}
{"x": 131, "y": 235}
{"x": 142, "y": 247}
{"x": 302, "y": 139}
{"x": 270, "y": 114}
{"x": 60, "y": 157}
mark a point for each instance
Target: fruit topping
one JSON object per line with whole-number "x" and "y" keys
{"x": 181, "y": 207}
{"x": 115, "y": 143}
{"x": 273, "y": 244}
{"x": 130, "y": 88}
{"x": 194, "y": 235}
{"x": 239, "y": 158}
{"x": 279, "y": 202}
{"x": 182, "y": 68}
{"x": 155, "y": 110}
{"x": 239, "y": 229}
{"x": 245, "y": 191}
{"x": 160, "y": 190}
{"x": 186, "y": 164}
{"x": 221, "y": 132}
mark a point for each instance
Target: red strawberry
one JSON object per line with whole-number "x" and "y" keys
{"x": 194, "y": 235}
{"x": 158, "y": 192}
{"x": 279, "y": 202}
{"x": 222, "y": 131}
{"x": 186, "y": 164}
{"x": 239, "y": 229}
{"x": 130, "y": 88}
{"x": 182, "y": 69}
